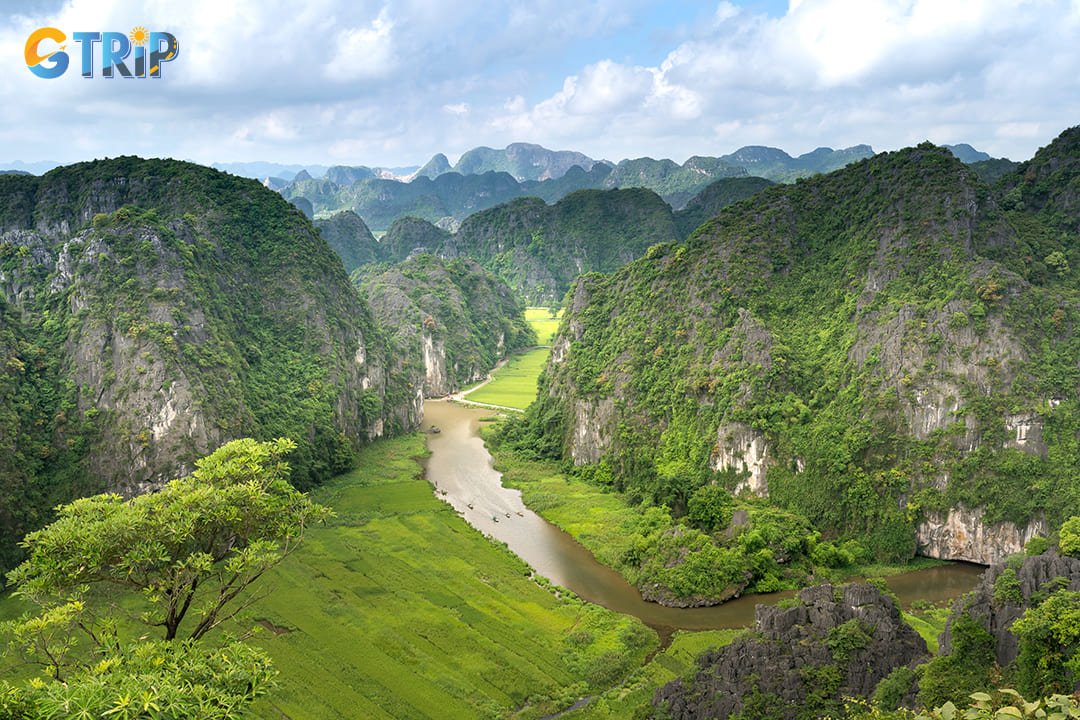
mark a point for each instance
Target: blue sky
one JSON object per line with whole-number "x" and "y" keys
{"x": 391, "y": 83}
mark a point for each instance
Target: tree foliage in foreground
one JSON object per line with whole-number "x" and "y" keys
{"x": 192, "y": 551}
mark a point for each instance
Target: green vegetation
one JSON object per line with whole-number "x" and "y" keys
{"x": 150, "y": 679}
{"x": 539, "y": 249}
{"x": 967, "y": 669}
{"x": 191, "y": 551}
{"x": 453, "y": 312}
{"x": 351, "y": 239}
{"x": 380, "y": 202}
{"x": 544, "y": 323}
{"x": 647, "y": 545}
{"x": 632, "y": 699}
{"x": 397, "y": 608}
{"x": 816, "y": 320}
{"x": 676, "y": 184}
{"x": 195, "y": 545}
{"x": 929, "y": 623}
{"x": 489, "y": 180}
{"x": 1004, "y": 703}
{"x": 514, "y": 384}
{"x": 1069, "y": 537}
{"x": 522, "y": 160}
{"x": 776, "y": 165}
{"x": 715, "y": 197}
{"x": 202, "y": 297}
{"x": 1049, "y": 635}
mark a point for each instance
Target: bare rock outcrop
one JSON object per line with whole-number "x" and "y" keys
{"x": 836, "y": 641}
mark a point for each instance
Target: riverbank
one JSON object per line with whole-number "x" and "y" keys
{"x": 398, "y": 608}
{"x": 626, "y": 538}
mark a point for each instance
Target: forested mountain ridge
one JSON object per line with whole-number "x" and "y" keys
{"x": 890, "y": 351}
{"x": 450, "y": 321}
{"x": 350, "y": 238}
{"x": 776, "y": 165}
{"x": 538, "y": 249}
{"x": 152, "y": 310}
{"x": 525, "y": 161}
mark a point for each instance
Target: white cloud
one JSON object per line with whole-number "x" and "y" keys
{"x": 607, "y": 88}
{"x": 364, "y": 52}
{"x": 839, "y": 72}
{"x": 379, "y": 83}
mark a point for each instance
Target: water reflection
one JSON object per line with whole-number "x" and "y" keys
{"x": 461, "y": 469}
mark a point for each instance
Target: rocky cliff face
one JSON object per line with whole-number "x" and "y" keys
{"x": 835, "y": 642}
{"x": 962, "y": 534}
{"x": 174, "y": 308}
{"x": 876, "y": 349}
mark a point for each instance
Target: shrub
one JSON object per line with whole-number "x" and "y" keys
{"x": 1036, "y": 546}
{"x": 1069, "y": 537}
{"x": 1007, "y": 588}
{"x": 890, "y": 692}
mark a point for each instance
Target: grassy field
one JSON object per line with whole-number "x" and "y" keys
{"x": 514, "y": 384}
{"x": 399, "y": 609}
{"x": 597, "y": 519}
{"x": 928, "y": 623}
{"x": 633, "y": 698}
{"x": 542, "y": 322}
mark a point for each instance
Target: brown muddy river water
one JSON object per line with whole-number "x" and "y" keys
{"x": 461, "y": 469}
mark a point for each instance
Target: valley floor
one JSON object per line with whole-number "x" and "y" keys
{"x": 399, "y": 609}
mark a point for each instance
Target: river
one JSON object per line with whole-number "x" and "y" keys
{"x": 461, "y": 469}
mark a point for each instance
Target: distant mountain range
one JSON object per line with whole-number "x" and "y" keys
{"x": 446, "y": 194}
{"x": 483, "y": 177}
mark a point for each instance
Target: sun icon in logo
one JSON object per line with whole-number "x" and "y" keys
{"x": 138, "y": 35}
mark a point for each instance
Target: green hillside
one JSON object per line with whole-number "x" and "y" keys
{"x": 152, "y": 310}
{"x": 449, "y": 322}
{"x": 871, "y": 349}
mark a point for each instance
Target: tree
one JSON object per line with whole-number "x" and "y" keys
{"x": 711, "y": 507}
{"x": 1069, "y": 537}
{"x": 1057, "y": 262}
{"x": 1049, "y": 635}
{"x": 199, "y": 543}
{"x": 968, "y": 668}
{"x": 192, "y": 551}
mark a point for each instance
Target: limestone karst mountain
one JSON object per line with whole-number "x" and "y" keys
{"x": 890, "y": 351}
{"x": 152, "y": 310}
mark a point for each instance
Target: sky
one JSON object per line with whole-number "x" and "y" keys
{"x": 391, "y": 83}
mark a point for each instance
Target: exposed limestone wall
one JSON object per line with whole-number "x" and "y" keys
{"x": 743, "y": 449}
{"x": 154, "y": 417}
{"x": 788, "y": 645}
{"x": 593, "y": 427}
{"x": 435, "y": 380}
{"x": 961, "y": 534}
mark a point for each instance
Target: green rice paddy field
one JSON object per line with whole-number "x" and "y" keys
{"x": 399, "y": 609}
{"x": 542, "y": 322}
{"x": 514, "y": 384}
